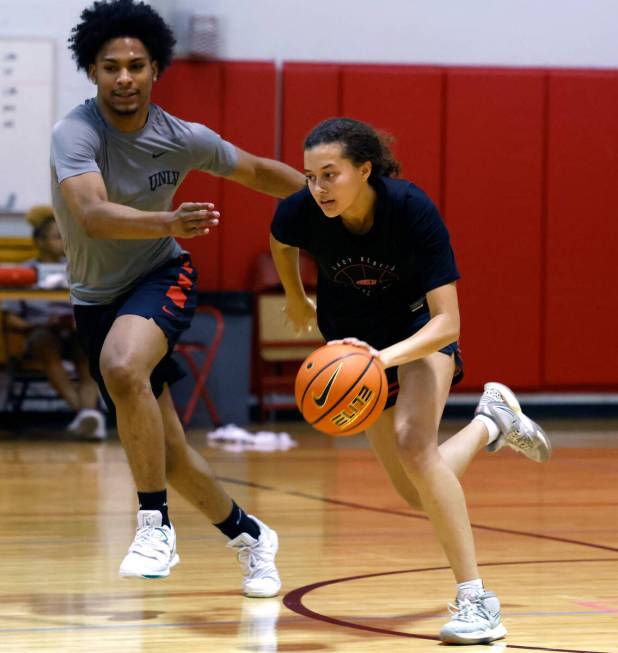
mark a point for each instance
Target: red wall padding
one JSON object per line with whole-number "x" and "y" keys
{"x": 310, "y": 94}
{"x": 581, "y": 307}
{"x": 193, "y": 91}
{"x": 406, "y": 102}
{"x": 493, "y": 207}
{"x": 249, "y": 123}
{"x": 522, "y": 163}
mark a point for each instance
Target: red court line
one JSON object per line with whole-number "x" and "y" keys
{"x": 293, "y": 601}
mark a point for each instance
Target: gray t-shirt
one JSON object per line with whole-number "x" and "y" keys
{"x": 140, "y": 169}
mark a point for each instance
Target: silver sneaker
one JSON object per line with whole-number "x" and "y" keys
{"x": 153, "y": 551}
{"x": 518, "y": 431}
{"x": 474, "y": 620}
{"x": 257, "y": 558}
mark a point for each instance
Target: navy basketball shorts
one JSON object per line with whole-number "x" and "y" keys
{"x": 393, "y": 380}
{"x": 168, "y": 295}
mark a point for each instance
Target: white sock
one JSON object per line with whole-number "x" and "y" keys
{"x": 491, "y": 427}
{"x": 470, "y": 588}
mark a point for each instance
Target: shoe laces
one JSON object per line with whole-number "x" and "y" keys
{"x": 151, "y": 537}
{"x": 255, "y": 558}
{"x": 469, "y": 610}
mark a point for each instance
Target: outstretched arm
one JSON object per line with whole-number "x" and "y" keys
{"x": 266, "y": 175}
{"x": 86, "y": 197}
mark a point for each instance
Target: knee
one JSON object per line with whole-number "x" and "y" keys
{"x": 417, "y": 445}
{"x": 123, "y": 378}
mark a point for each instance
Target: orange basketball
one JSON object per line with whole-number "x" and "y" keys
{"x": 341, "y": 389}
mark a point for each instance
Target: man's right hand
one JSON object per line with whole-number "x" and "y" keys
{"x": 193, "y": 219}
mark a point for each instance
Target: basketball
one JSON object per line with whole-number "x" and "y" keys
{"x": 341, "y": 389}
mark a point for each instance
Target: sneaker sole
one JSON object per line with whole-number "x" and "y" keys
{"x": 542, "y": 436}
{"x": 512, "y": 402}
{"x": 262, "y": 595}
{"x": 162, "y": 574}
{"x": 475, "y": 638}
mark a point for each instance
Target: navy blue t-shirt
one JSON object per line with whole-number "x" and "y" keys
{"x": 371, "y": 286}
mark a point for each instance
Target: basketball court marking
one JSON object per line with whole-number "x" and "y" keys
{"x": 399, "y": 513}
{"x": 294, "y": 601}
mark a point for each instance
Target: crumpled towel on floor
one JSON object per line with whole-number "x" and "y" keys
{"x": 234, "y": 438}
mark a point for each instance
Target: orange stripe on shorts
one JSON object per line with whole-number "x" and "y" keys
{"x": 177, "y": 296}
{"x": 184, "y": 281}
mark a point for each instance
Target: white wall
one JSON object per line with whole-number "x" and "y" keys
{"x": 572, "y": 33}
{"x": 28, "y": 18}
{"x": 503, "y": 32}
{"x": 579, "y": 33}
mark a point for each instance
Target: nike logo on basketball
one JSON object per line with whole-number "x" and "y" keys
{"x": 321, "y": 400}
{"x": 156, "y": 155}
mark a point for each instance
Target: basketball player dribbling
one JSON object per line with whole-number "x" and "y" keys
{"x": 116, "y": 162}
{"x": 387, "y": 282}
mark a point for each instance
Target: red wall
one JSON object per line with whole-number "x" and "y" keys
{"x": 493, "y": 207}
{"x": 522, "y": 163}
{"x": 237, "y": 100}
{"x": 581, "y": 243}
{"x": 193, "y": 91}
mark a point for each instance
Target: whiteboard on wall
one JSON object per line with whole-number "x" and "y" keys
{"x": 27, "y": 75}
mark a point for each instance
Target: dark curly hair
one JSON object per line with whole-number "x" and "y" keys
{"x": 360, "y": 142}
{"x": 108, "y": 20}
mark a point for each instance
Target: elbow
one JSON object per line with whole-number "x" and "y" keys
{"x": 451, "y": 330}
{"x": 88, "y": 222}
{"x": 455, "y": 331}
{"x": 89, "y": 228}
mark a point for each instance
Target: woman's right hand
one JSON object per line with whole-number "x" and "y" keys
{"x": 301, "y": 314}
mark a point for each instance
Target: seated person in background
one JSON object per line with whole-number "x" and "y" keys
{"x": 50, "y": 334}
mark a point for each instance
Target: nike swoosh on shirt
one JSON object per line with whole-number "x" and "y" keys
{"x": 156, "y": 155}
{"x": 321, "y": 400}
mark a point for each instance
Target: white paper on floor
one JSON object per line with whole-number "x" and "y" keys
{"x": 234, "y": 438}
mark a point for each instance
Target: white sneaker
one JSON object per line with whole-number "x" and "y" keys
{"x": 257, "y": 558}
{"x": 518, "y": 431}
{"x": 475, "y": 620}
{"x": 153, "y": 551}
{"x": 89, "y": 424}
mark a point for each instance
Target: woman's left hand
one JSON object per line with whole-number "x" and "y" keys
{"x": 355, "y": 342}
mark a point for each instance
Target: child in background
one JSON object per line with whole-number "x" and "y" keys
{"x": 50, "y": 337}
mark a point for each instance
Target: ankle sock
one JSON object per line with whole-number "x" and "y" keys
{"x": 238, "y": 522}
{"x": 491, "y": 427}
{"x": 155, "y": 501}
{"x": 470, "y": 588}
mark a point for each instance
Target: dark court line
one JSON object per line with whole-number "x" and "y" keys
{"x": 399, "y": 513}
{"x": 294, "y": 601}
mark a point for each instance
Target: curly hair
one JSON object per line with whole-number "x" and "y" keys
{"x": 40, "y": 218}
{"x": 360, "y": 142}
{"x": 108, "y": 20}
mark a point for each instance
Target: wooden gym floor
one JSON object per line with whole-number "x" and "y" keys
{"x": 361, "y": 572}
